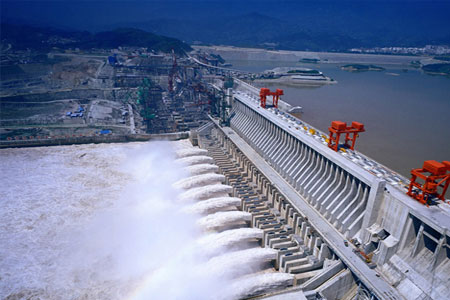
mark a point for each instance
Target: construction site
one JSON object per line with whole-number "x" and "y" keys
{"x": 121, "y": 92}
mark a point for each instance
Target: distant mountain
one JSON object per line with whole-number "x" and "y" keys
{"x": 136, "y": 38}
{"x": 310, "y": 25}
{"x": 23, "y": 37}
{"x": 323, "y": 25}
{"x": 40, "y": 38}
{"x": 259, "y": 30}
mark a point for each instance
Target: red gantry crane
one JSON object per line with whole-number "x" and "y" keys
{"x": 275, "y": 96}
{"x": 438, "y": 177}
{"x": 337, "y": 128}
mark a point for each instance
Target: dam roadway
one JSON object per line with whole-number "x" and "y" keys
{"x": 344, "y": 200}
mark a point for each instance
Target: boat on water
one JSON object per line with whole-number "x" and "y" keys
{"x": 302, "y": 76}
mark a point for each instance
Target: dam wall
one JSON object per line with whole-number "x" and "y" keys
{"x": 397, "y": 247}
{"x": 328, "y": 185}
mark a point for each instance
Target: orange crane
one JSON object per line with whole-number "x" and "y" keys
{"x": 337, "y": 128}
{"x": 275, "y": 96}
{"x": 438, "y": 177}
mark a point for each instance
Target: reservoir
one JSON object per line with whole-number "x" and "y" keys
{"x": 405, "y": 112}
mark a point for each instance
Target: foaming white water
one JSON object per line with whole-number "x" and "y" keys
{"x": 252, "y": 285}
{"x": 223, "y": 218}
{"x": 47, "y": 195}
{"x": 215, "y": 242}
{"x": 212, "y": 204}
{"x": 199, "y": 180}
{"x": 97, "y": 222}
{"x": 231, "y": 264}
{"x": 190, "y": 152}
{"x": 201, "y": 169}
{"x": 195, "y": 160}
{"x": 205, "y": 192}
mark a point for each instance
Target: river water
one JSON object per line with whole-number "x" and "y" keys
{"x": 406, "y": 113}
{"x": 92, "y": 222}
{"x": 83, "y": 221}
{"x": 107, "y": 221}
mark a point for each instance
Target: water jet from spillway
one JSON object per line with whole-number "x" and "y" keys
{"x": 216, "y": 242}
{"x": 199, "y": 180}
{"x": 241, "y": 262}
{"x": 201, "y": 169}
{"x": 190, "y": 152}
{"x": 213, "y": 204}
{"x": 205, "y": 192}
{"x": 224, "y": 218}
{"x": 253, "y": 285}
{"x": 195, "y": 160}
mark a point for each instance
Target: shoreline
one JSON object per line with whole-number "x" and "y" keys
{"x": 97, "y": 139}
{"x": 294, "y": 82}
{"x": 255, "y": 54}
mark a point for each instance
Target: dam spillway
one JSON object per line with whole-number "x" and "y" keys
{"x": 282, "y": 213}
{"x": 111, "y": 222}
{"x": 322, "y": 208}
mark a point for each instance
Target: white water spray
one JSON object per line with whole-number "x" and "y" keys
{"x": 103, "y": 222}
{"x": 252, "y": 285}
{"x": 216, "y": 242}
{"x": 199, "y": 180}
{"x": 223, "y": 218}
{"x": 195, "y": 160}
{"x": 201, "y": 169}
{"x": 240, "y": 262}
{"x": 213, "y": 204}
{"x": 96, "y": 222}
{"x": 205, "y": 192}
{"x": 190, "y": 152}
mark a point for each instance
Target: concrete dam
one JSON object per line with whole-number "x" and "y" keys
{"x": 341, "y": 223}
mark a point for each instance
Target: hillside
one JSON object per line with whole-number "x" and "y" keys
{"x": 40, "y": 38}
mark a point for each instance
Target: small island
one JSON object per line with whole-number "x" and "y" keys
{"x": 309, "y": 60}
{"x": 437, "y": 69}
{"x": 361, "y": 68}
{"x": 443, "y": 57}
{"x": 305, "y": 72}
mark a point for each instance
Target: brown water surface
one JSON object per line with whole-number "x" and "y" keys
{"x": 406, "y": 112}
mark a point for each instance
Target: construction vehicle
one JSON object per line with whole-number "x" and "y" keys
{"x": 435, "y": 175}
{"x": 337, "y": 128}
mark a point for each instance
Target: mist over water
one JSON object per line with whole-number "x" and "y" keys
{"x": 105, "y": 222}
{"x": 84, "y": 220}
